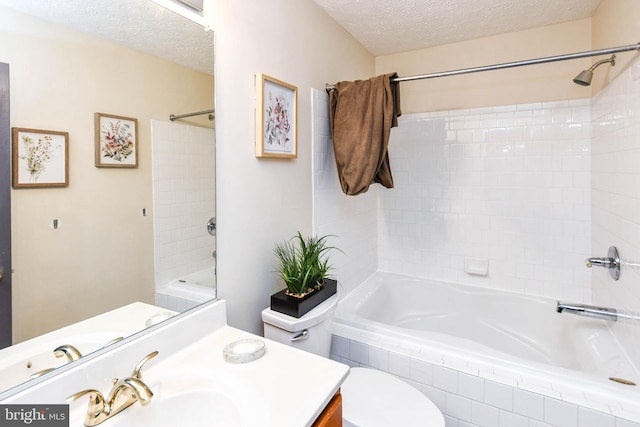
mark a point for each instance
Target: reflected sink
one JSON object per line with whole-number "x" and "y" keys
{"x": 188, "y": 401}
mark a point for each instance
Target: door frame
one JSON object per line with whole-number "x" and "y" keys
{"x": 5, "y": 209}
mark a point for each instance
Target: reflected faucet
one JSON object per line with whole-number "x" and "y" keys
{"x": 124, "y": 393}
{"x": 68, "y": 350}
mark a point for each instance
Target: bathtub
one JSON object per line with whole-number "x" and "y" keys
{"x": 187, "y": 291}
{"x": 394, "y": 322}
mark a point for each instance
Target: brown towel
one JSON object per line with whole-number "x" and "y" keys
{"x": 361, "y": 115}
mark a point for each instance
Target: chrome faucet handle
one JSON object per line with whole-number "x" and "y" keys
{"x": 136, "y": 372}
{"x": 612, "y": 262}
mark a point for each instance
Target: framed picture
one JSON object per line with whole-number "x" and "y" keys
{"x": 40, "y": 158}
{"x": 116, "y": 141}
{"x": 276, "y": 118}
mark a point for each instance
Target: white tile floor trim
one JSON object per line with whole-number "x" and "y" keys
{"x": 471, "y": 393}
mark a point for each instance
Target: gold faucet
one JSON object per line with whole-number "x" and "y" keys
{"x": 123, "y": 394}
{"x": 68, "y": 350}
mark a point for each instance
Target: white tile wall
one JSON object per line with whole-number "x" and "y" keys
{"x": 183, "y": 198}
{"x": 505, "y": 186}
{"x": 616, "y": 198}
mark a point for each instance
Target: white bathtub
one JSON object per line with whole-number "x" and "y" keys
{"x": 187, "y": 291}
{"x": 509, "y": 338}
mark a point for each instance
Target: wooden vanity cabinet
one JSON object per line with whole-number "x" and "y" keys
{"x": 332, "y": 414}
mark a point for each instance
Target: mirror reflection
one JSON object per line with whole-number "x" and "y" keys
{"x": 131, "y": 244}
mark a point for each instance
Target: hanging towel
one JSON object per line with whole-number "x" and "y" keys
{"x": 361, "y": 115}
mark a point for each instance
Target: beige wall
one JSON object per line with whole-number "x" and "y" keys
{"x": 615, "y": 23}
{"x": 264, "y": 201}
{"x": 102, "y": 255}
{"x": 535, "y": 83}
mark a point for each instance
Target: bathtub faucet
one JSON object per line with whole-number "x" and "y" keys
{"x": 589, "y": 311}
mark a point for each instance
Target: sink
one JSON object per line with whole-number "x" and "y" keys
{"x": 189, "y": 400}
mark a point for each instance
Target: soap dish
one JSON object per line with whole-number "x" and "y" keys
{"x": 243, "y": 351}
{"x": 157, "y": 318}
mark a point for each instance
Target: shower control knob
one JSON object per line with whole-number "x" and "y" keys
{"x": 211, "y": 226}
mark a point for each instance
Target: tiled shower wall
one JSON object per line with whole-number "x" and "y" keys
{"x": 496, "y": 197}
{"x": 502, "y": 188}
{"x": 615, "y": 198}
{"x": 183, "y": 199}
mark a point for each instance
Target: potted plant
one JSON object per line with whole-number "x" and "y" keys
{"x": 304, "y": 268}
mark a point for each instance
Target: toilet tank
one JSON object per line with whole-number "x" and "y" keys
{"x": 311, "y": 332}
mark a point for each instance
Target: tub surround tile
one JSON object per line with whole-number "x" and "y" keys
{"x": 507, "y": 403}
{"x": 498, "y": 395}
{"x": 399, "y": 365}
{"x": 589, "y": 418}
{"x": 359, "y": 352}
{"x": 484, "y": 415}
{"x": 445, "y": 379}
{"x": 458, "y": 407}
{"x": 509, "y": 419}
{"x": 339, "y": 346}
{"x": 560, "y": 413}
{"x": 528, "y": 404}
{"x": 471, "y": 386}
{"x": 379, "y": 358}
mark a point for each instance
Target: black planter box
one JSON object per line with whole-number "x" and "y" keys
{"x": 298, "y": 307}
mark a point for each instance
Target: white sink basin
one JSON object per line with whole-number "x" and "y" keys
{"x": 188, "y": 400}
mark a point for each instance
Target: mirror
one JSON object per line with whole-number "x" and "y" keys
{"x": 88, "y": 248}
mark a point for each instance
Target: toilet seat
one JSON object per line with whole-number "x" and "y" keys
{"x": 372, "y": 398}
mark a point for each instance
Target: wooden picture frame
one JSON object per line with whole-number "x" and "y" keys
{"x": 40, "y": 158}
{"x": 116, "y": 141}
{"x": 276, "y": 118}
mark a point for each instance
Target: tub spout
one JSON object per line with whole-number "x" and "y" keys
{"x": 588, "y": 311}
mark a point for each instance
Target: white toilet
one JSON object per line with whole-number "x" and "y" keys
{"x": 370, "y": 398}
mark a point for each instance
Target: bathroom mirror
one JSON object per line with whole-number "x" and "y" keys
{"x": 88, "y": 248}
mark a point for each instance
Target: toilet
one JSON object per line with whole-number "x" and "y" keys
{"x": 370, "y": 398}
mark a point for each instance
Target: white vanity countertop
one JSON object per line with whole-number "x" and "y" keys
{"x": 285, "y": 387}
{"x": 21, "y": 360}
{"x": 190, "y": 379}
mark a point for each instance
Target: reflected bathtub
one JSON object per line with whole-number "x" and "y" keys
{"x": 513, "y": 339}
{"x": 187, "y": 291}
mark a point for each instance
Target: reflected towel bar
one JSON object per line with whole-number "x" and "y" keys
{"x": 578, "y": 55}
{"x": 211, "y": 113}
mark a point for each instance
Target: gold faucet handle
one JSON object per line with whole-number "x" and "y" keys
{"x": 96, "y": 400}
{"x": 136, "y": 372}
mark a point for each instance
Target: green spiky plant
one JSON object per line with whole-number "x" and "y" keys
{"x": 304, "y": 263}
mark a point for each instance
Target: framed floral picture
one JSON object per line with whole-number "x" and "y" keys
{"x": 116, "y": 141}
{"x": 276, "y": 118}
{"x": 40, "y": 158}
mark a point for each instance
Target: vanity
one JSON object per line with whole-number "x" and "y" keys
{"x": 193, "y": 383}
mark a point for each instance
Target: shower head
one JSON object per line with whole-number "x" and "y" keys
{"x": 584, "y": 78}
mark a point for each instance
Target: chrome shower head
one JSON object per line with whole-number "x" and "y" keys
{"x": 585, "y": 76}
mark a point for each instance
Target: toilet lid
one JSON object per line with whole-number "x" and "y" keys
{"x": 372, "y": 398}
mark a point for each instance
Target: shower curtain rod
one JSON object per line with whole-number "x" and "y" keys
{"x": 199, "y": 113}
{"x": 578, "y": 55}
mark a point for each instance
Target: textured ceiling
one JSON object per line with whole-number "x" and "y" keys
{"x": 392, "y": 26}
{"x": 139, "y": 24}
